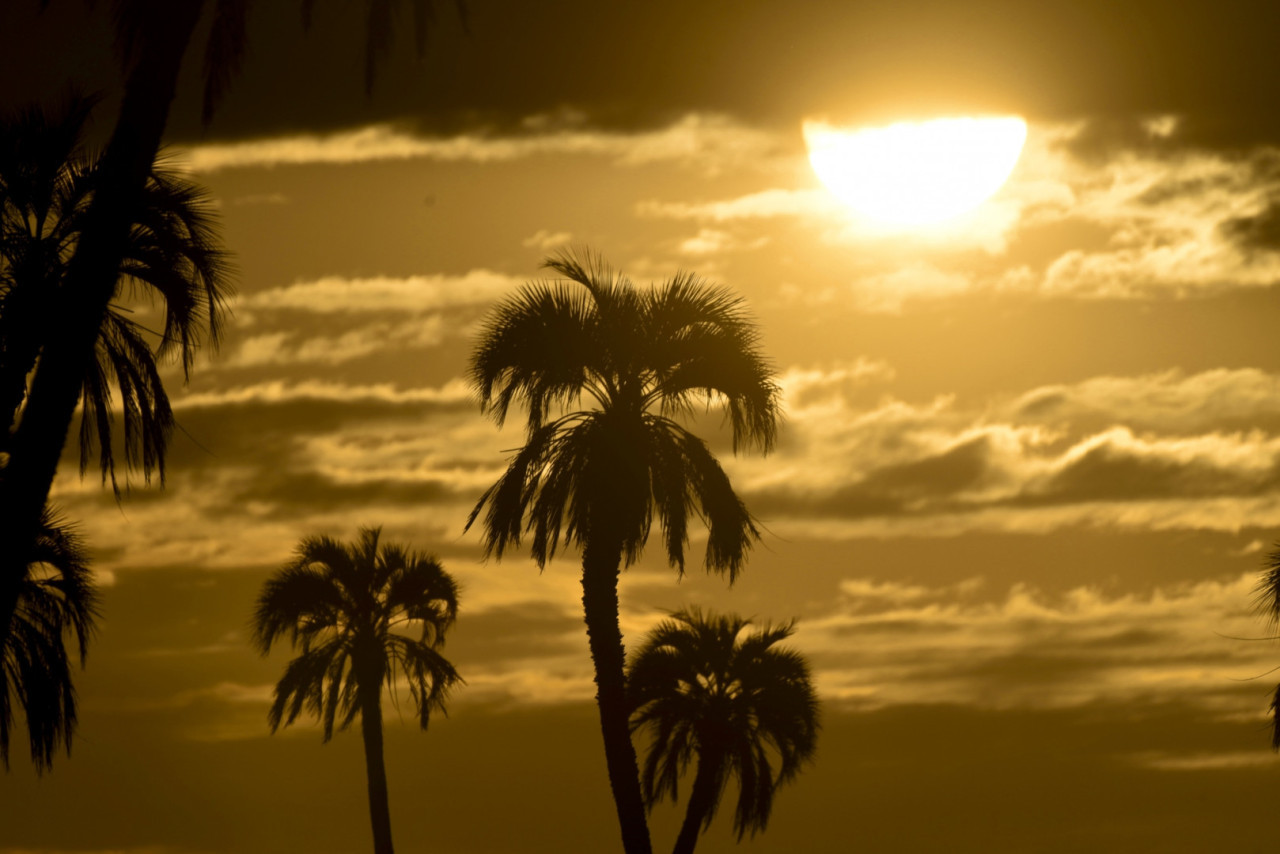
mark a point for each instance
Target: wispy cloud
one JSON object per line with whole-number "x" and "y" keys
{"x": 1158, "y": 451}
{"x": 886, "y": 643}
{"x": 711, "y": 142}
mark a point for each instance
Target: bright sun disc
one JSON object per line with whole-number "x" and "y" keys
{"x": 916, "y": 173}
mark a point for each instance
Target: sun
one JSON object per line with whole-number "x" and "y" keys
{"x": 916, "y": 173}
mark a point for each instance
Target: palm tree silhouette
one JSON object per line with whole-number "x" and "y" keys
{"x": 702, "y": 690}
{"x": 153, "y": 37}
{"x": 599, "y": 475}
{"x": 1267, "y": 602}
{"x": 347, "y": 607}
{"x": 46, "y": 184}
{"x": 56, "y": 599}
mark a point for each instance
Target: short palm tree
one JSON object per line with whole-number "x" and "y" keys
{"x": 56, "y": 603}
{"x": 348, "y": 609}
{"x": 704, "y": 692}
{"x": 604, "y": 370}
{"x": 173, "y": 256}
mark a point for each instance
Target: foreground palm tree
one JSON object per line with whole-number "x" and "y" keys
{"x": 154, "y": 37}
{"x": 172, "y": 256}
{"x": 56, "y": 602}
{"x": 621, "y": 364}
{"x": 346, "y": 607}
{"x": 703, "y": 691}
{"x": 1267, "y": 600}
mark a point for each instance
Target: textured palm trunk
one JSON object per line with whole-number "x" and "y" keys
{"x": 90, "y": 285}
{"x": 379, "y": 802}
{"x": 701, "y": 802}
{"x": 600, "y": 566}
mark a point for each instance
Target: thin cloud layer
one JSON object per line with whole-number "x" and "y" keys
{"x": 1162, "y": 450}
{"x": 705, "y": 141}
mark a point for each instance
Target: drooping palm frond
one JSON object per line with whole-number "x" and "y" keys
{"x": 57, "y": 606}
{"x": 172, "y": 257}
{"x": 738, "y": 706}
{"x": 224, "y": 52}
{"x": 381, "y": 26}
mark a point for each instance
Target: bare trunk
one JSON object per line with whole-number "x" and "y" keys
{"x": 91, "y": 282}
{"x": 701, "y": 801}
{"x": 600, "y": 562}
{"x": 379, "y": 802}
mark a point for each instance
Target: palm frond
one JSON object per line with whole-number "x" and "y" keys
{"x": 56, "y": 603}
{"x": 1267, "y": 591}
{"x": 224, "y": 52}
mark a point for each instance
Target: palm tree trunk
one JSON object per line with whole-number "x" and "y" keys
{"x": 600, "y": 561}
{"x": 701, "y": 802}
{"x": 91, "y": 282}
{"x": 379, "y": 803}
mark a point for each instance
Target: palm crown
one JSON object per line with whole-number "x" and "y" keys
{"x": 642, "y": 359}
{"x": 703, "y": 690}
{"x": 346, "y": 607}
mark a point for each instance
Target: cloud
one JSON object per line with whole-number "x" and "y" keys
{"x": 288, "y": 348}
{"x": 455, "y": 391}
{"x": 385, "y": 293}
{"x": 1170, "y": 401}
{"x": 1154, "y": 219}
{"x": 1159, "y": 451}
{"x": 547, "y": 240}
{"x": 890, "y": 643}
{"x": 705, "y": 141}
{"x": 760, "y": 205}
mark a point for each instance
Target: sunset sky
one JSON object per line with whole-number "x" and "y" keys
{"x": 1029, "y": 471}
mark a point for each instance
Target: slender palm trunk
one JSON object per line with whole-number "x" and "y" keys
{"x": 701, "y": 801}
{"x": 90, "y": 285}
{"x": 379, "y": 803}
{"x": 600, "y": 561}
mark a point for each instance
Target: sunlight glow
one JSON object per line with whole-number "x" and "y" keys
{"x": 916, "y": 173}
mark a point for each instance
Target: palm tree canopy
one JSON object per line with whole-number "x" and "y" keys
{"x": 57, "y": 604}
{"x": 359, "y": 615}
{"x": 172, "y": 257}
{"x": 635, "y": 361}
{"x": 703, "y": 690}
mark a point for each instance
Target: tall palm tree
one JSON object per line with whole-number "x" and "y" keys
{"x": 347, "y": 607}
{"x": 154, "y": 37}
{"x": 56, "y": 602}
{"x": 705, "y": 692}
{"x": 172, "y": 255}
{"x": 619, "y": 365}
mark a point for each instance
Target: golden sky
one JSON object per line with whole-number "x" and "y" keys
{"x": 1030, "y": 467}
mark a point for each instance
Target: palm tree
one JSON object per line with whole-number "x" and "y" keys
{"x": 705, "y": 692}
{"x": 56, "y": 599}
{"x": 46, "y": 185}
{"x": 347, "y": 607}
{"x": 154, "y": 36}
{"x": 634, "y": 361}
{"x": 1267, "y": 602}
